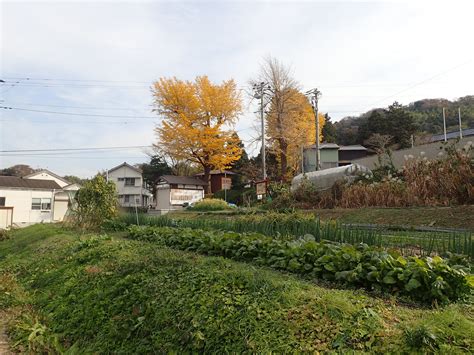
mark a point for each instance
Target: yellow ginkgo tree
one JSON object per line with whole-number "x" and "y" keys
{"x": 291, "y": 129}
{"x": 197, "y": 121}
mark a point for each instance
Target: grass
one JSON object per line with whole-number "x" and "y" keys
{"x": 97, "y": 294}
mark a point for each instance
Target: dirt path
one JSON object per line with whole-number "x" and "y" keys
{"x": 4, "y": 348}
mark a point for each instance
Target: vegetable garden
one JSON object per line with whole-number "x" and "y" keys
{"x": 424, "y": 279}
{"x": 407, "y": 243}
{"x": 66, "y": 291}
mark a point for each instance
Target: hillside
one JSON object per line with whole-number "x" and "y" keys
{"x": 426, "y": 114}
{"x": 65, "y": 292}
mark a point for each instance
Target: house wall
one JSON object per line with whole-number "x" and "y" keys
{"x": 329, "y": 158}
{"x": 349, "y": 155}
{"x": 430, "y": 151}
{"x": 46, "y": 176}
{"x": 172, "y": 197}
{"x": 163, "y": 197}
{"x": 61, "y": 204}
{"x": 6, "y": 215}
{"x": 21, "y": 201}
{"x": 138, "y": 191}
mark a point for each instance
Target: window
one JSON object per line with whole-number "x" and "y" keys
{"x": 129, "y": 181}
{"x": 126, "y": 198}
{"x": 43, "y": 204}
{"x": 36, "y": 204}
{"x": 120, "y": 179}
{"x": 2, "y": 201}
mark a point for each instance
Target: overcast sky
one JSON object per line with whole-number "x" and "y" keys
{"x": 100, "y": 58}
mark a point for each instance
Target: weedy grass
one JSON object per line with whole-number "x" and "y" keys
{"x": 97, "y": 294}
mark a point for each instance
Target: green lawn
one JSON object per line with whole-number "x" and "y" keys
{"x": 106, "y": 294}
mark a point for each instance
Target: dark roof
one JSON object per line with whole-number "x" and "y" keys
{"x": 217, "y": 172}
{"x": 13, "y": 181}
{"x": 352, "y": 147}
{"x": 325, "y": 146}
{"x": 128, "y": 165}
{"x": 182, "y": 180}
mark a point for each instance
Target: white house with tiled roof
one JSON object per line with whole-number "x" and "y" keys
{"x": 36, "y": 198}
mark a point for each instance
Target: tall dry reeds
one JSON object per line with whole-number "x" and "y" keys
{"x": 421, "y": 182}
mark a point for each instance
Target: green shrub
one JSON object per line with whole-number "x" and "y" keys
{"x": 210, "y": 204}
{"x": 425, "y": 279}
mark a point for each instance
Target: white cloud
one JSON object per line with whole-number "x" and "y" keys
{"x": 358, "y": 54}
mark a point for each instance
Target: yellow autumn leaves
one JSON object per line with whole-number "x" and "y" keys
{"x": 198, "y": 119}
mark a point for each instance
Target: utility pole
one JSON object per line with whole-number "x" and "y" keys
{"x": 444, "y": 124}
{"x": 260, "y": 90}
{"x": 302, "y": 159}
{"x": 314, "y": 97}
{"x": 460, "y": 125}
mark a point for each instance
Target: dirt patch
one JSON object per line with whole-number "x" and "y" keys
{"x": 4, "y": 347}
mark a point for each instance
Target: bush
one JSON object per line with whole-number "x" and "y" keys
{"x": 231, "y": 196}
{"x": 428, "y": 279}
{"x": 210, "y": 204}
{"x": 94, "y": 203}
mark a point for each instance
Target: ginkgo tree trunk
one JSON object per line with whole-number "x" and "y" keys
{"x": 197, "y": 121}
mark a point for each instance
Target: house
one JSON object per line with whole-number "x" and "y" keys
{"x": 36, "y": 198}
{"x": 332, "y": 155}
{"x": 131, "y": 188}
{"x": 219, "y": 179}
{"x": 174, "y": 192}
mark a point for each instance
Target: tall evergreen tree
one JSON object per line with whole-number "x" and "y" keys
{"x": 329, "y": 131}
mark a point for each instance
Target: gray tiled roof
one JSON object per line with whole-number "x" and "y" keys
{"x": 352, "y": 147}
{"x": 13, "y": 181}
{"x": 325, "y": 146}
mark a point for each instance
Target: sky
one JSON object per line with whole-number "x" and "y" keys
{"x": 88, "y": 66}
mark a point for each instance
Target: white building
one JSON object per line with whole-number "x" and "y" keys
{"x": 174, "y": 192}
{"x": 131, "y": 188}
{"x": 40, "y": 197}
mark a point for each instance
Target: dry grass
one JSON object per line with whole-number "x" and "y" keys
{"x": 446, "y": 181}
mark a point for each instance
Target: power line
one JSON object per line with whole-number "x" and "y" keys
{"x": 79, "y": 80}
{"x": 81, "y": 107}
{"x": 72, "y": 113}
{"x": 60, "y": 85}
{"x": 422, "y": 82}
{"x": 75, "y": 149}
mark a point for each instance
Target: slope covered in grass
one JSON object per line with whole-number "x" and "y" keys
{"x": 108, "y": 295}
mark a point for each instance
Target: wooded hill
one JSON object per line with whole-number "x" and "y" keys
{"x": 427, "y": 119}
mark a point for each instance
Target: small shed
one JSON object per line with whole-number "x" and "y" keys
{"x": 328, "y": 153}
{"x": 348, "y": 153}
{"x": 174, "y": 192}
{"x": 220, "y": 179}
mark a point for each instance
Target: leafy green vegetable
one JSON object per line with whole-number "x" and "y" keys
{"x": 425, "y": 279}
